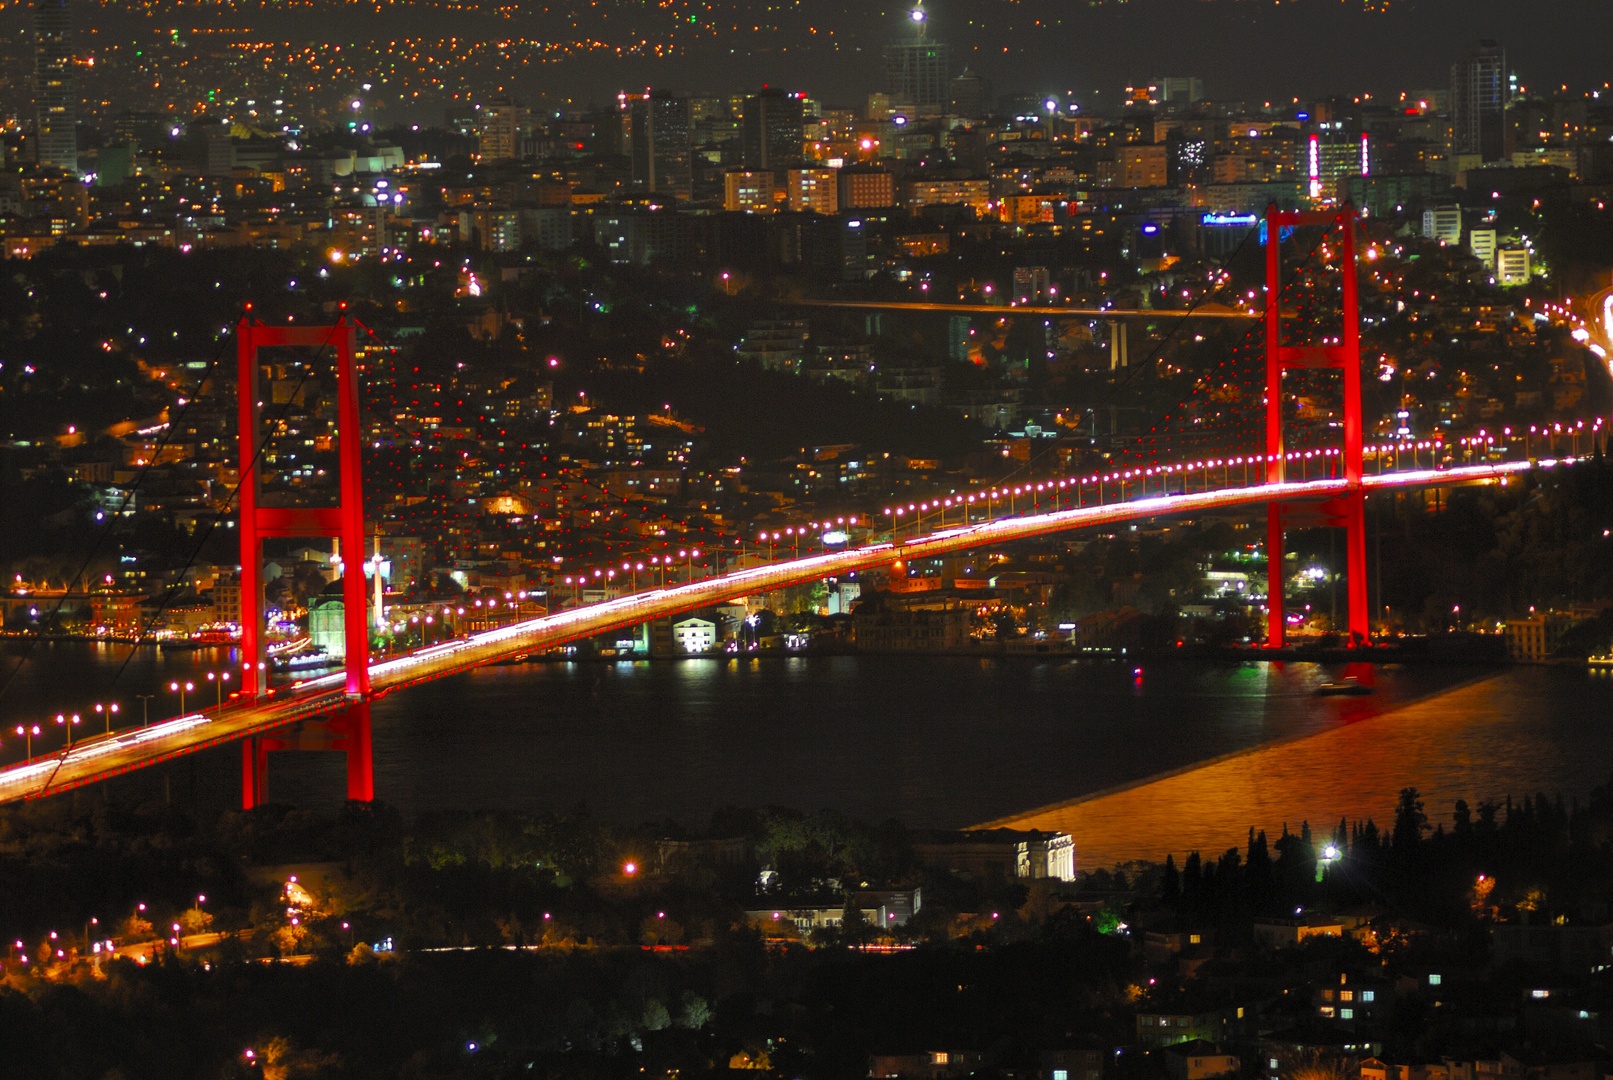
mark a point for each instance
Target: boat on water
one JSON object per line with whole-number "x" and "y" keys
{"x": 1349, "y": 686}
{"x": 304, "y": 661}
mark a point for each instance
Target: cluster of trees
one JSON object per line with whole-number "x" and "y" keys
{"x": 1494, "y": 552}
{"x": 1494, "y": 859}
{"x": 448, "y": 878}
{"x": 612, "y": 991}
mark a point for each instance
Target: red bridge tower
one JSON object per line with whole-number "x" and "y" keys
{"x": 1346, "y": 511}
{"x": 351, "y": 730}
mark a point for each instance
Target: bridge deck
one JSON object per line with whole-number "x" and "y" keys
{"x": 102, "y": 756}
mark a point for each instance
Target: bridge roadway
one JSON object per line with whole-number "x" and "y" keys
{"x": 101, "y": 756}
{"x": 1203, "y": 311}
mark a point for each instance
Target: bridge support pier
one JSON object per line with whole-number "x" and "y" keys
{"x": 348, "y": 733}
{"x": 1347, "y": 512}
{"x": 345, "y": 521}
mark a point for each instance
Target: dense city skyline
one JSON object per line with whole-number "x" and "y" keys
{"x": 559, "y": 58}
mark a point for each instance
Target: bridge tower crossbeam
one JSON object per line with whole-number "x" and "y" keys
{"x": 345, "y": 521}
{"x": 1347, "y": 511}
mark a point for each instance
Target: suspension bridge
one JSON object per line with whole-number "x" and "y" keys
{"x": 333, "y": 712}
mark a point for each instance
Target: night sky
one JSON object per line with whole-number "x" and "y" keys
{"x": 1242, "y": 49}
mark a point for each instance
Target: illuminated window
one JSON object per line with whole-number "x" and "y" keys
{"x": 1346, "y": 1014}
{"x": 1433, "y": 980}
{"x": 939, "y": 1058}
{"x": 1061, "y": 1074}
{"x": 1346, "y": 995}
{"x": 1369, "y": 995}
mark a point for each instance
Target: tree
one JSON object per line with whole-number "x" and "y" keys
{"x": 696, "y": 1011}
{"x": 853, "y": 927}
{"x": 656, "y": 1017}
{"x": 1171, "y": 887}
{"x": 1410, "y": 822}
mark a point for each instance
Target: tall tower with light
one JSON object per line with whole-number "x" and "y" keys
{"x": 918, "y": 70}
{"x": 53, "y": 86}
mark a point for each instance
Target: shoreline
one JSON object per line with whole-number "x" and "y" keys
{"x": 1233, "y": 755}
{"x": 1436, "y": 747}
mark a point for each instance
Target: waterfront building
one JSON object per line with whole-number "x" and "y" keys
{"x": 694, "y": 635}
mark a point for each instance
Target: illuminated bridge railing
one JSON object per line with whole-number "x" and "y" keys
{"x": 1120, "y": 484}
{"x": 122, "y": 750}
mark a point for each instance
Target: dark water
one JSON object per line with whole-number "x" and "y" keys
{"x": 935, "y": 742}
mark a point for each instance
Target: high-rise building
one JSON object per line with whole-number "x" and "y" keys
{"x": 1480, "y": 92}
{"x": 502, "y": 124}
{"x": 748, "y": 191}
{"x": 1512, "y": 266}
{"x": 864, "y": 187}
{"x": 661, "y": 148}
{"x": 918, "y": 72}
{"x": 815, "y": 190}
{"x": 1135, "y": 165}
{"x": 969, "y": 95}
{"x": 1031, "y": 283}
{"x": 53, "y": 85}
{"x": 1443, "y": 223}
{"x": 773, "y": 129}
{"x": 1174, "y": 90}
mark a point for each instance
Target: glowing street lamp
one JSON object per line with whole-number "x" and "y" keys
{"x": 181, "y": 689}
{"x": 28, "y": 732}
{"x": 63, "y": 722}
{"x": 109, "y": 711}
{"x": 219, "y": 679}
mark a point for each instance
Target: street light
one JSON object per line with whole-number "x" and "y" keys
{"x": 109, "y": 711}
{"x": 145, "y": 708}
{"x": 219, "y": 679}
{"x": 28, "y": 734}
{"x": 181, "y": 689}
{"x": 63, "y": 721}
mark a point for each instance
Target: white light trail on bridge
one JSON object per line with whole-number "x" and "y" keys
{"x": 100, "y": 756}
